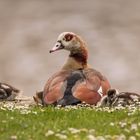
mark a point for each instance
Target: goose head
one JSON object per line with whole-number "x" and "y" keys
{"x": 68, "y": 41}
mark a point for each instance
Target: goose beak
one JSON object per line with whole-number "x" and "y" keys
{"x": 57, "y": 46}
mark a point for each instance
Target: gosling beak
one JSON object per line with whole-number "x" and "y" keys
{"x": 57, "y": 46}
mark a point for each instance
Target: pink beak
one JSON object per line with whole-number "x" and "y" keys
{"x": 57, "y": 46}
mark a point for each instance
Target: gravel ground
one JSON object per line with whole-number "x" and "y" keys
{"x": 21, "y": 102}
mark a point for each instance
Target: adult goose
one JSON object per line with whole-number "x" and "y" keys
{"x": 76, "y": 82}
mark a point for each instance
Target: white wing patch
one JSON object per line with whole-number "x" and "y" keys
{"x": 100, "y": 91}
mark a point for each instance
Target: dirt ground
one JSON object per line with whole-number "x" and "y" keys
{"x": 29, "y": 28}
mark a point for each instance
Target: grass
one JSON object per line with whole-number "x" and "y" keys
{"x": 37, "y": 123}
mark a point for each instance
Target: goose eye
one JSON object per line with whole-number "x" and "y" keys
{"x": 57, "y": 45}
{"x": 68, "y": 37}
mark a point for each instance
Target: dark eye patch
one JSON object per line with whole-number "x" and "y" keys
{"x": 68, "y": 37}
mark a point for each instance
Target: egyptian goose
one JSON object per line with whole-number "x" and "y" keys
{"x": 8, "y": 92}
{"x": 76, "y": 82}
{"x": 115, "y": 98}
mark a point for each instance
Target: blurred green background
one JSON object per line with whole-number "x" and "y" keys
{"x": 29, "y": 29}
